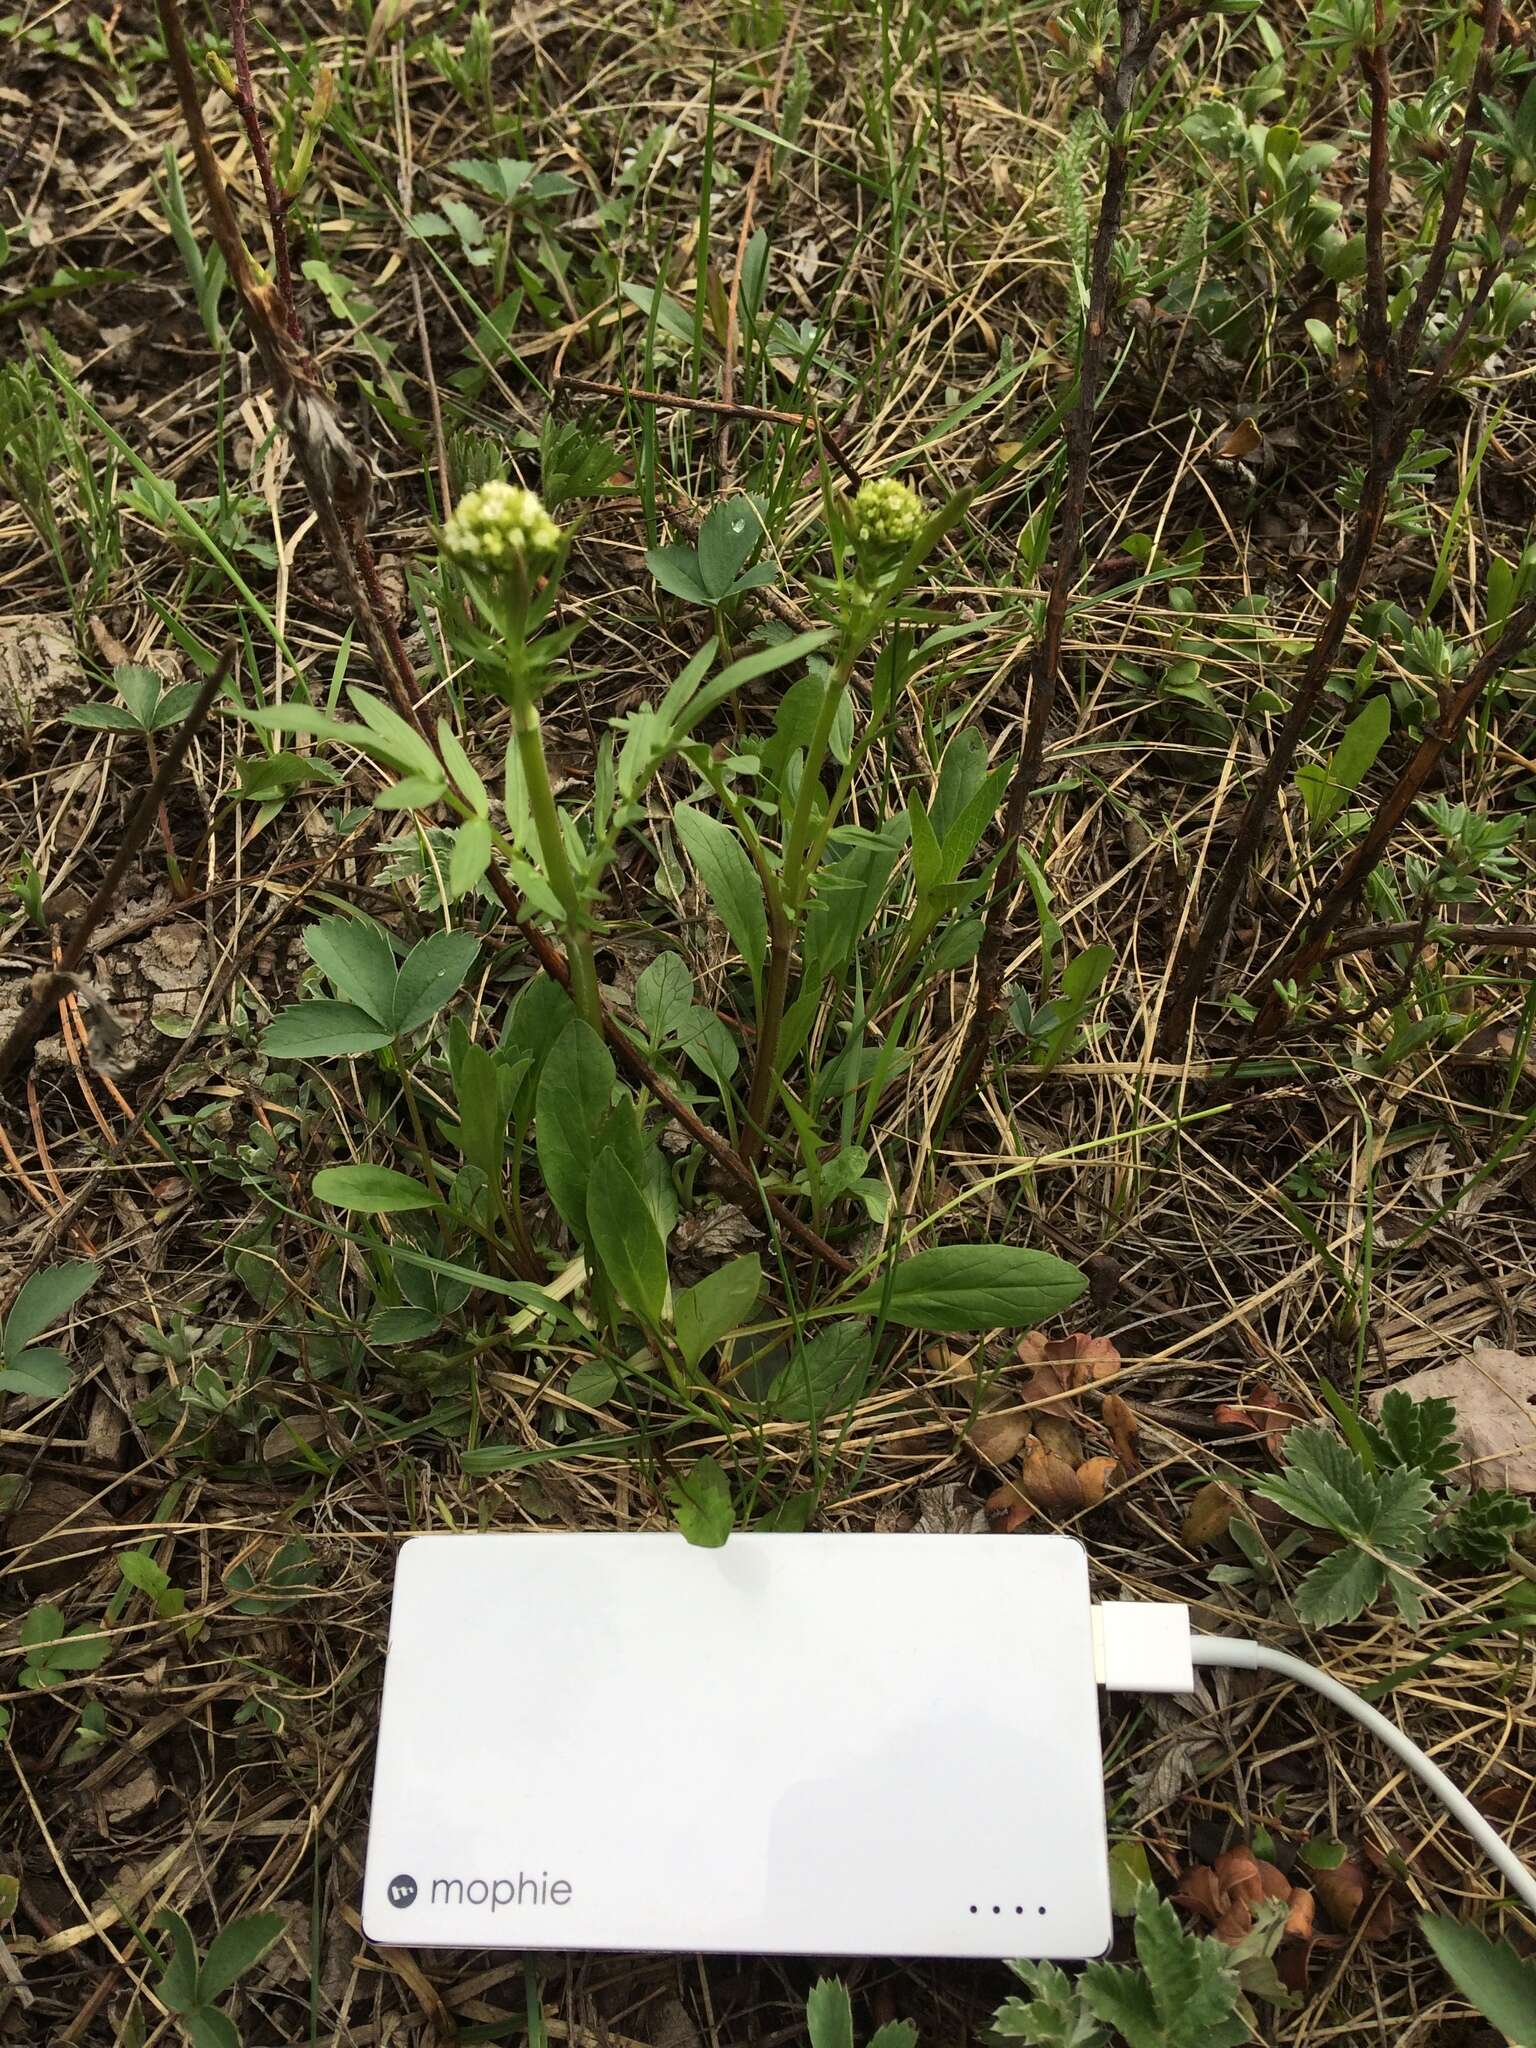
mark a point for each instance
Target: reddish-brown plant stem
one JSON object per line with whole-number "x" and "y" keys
{"x": 1393, "y": 413}
{"x": 277, "y": 205}
{"x": 335, "y": 478}
{"x": 1312, "y": 943}
{"x": 1117, "y": 89}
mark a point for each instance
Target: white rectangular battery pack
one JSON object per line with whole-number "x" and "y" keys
{"x": 794, "y": 1744}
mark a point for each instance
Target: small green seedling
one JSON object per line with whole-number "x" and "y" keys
{"x": 52, "y": 1650}
{"x": 191, "y": 1989}
{"x": 39, "y": 1369}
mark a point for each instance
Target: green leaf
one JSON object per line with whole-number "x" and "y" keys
{"x": 322, "y": 1030}
{"x": 1339, "y": 1588}
{"x": 972, "y": 1288}
{"x": 44, "y": 1299}
{"x": 141, "y": 1572}
{"x": 478, "y": 1100}
{"x": 1055, "y": 2017}
{"x": 676, "y": 569}
{"x": 731, "y": 882}
{"x": 44, "y": 1624}
{"x": 469, "y": 858}
{"x": 208, "y": 2028}
{"x": 1480, "y": 1529}
{"x": 357, "y": 959}
{"x": 701, "y": 1500}
{"x": 574, "y": 1092}
{"x": 764, "y": 661}
{"x": 1501, "y": 1984}
{"x": 664, "y": 997}
{"x": 625, "y": 1238}
{"x": 1321, "y": 1855}
{"x": 894, "y": 2034}
{"x": 1326, "y": 789}
{"x": 728, "y": 535}
{"x": 1129, "y": 1871}
{"x": 396, "y": 741}
{"x": 178, "y": 1980}
{"x": 706, "y": 1313}
{"x": 104, "y": 718}
{"x": 829, "y": 2014}
{"x": 238, "y": 1948}
{"x": 371, "y": 1190}
{"x": 466, "y": 776}
{"x": 826, "y": 1375}
{"x": 592, "y": 1383}
{"x": 1420, "y": 1435}
{"x": 41, "y": 1372}
{"x": 1184, "y": 1995}
{"x": 432, "y": 974}
{"x": 1324, "y": 1483}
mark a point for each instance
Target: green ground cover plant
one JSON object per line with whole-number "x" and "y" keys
{"x": 764, "y": 767}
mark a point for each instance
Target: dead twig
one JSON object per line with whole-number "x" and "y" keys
{"x": 720, "y": 408}
{"x": 1392, "y": 418}
{"x": 1312, "y": 945}
{"x": 1117, "y": 90}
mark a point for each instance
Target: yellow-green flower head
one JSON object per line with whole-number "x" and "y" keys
{"x": 498, "y": 526}
{"x": 887, "y": 514}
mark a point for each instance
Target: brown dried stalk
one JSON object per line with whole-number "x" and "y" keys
{"x": 1393, "y": 411}
{"x": 1518, "y": 636}
{"x": 1117, "y": 90}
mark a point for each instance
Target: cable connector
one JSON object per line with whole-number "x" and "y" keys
{"x": 1142, "y": 1646}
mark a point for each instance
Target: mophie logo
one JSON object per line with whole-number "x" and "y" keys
{"x": 523, "y": 1890}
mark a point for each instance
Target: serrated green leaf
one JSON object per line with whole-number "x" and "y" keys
{"x": 1417, "y": 1434}
{"x": 40, "y": 1372}
{"x": 1055, "y": 2017}
{"x": 1339, "y": 1588}
{"x": 676, "y": 568}
{"x": 45, "y": 1298}
{"x": 1324, "y": 1483}
{"x": 829, "y": 2014}
{"x": 894, "y": 2034}
{"x": 972, "y": 1288}
{"x": 727, "y": 536}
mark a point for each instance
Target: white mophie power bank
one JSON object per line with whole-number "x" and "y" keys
{"x": 809, "y": 1745}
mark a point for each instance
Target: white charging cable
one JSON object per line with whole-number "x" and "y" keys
{"x": 1237, "y": 1655}
{"x": 1146, "y": 1646}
